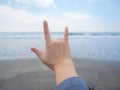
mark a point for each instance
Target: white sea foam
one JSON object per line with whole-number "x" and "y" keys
{"x": 17, "y": 45}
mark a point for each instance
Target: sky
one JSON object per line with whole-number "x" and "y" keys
{"x": 78, "y": 15}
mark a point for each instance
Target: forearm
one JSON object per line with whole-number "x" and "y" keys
{"x": 64, "y": 71}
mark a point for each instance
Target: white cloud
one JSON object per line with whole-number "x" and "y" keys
{"x": 20, "y": 20}
{"x": 43, "y": 3}
{"x": 18, "y": 14}
{"x": 76, "y": 15}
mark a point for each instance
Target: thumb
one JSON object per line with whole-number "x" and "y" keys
{"x": 38, "y": 52}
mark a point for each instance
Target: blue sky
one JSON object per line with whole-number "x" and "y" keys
{"x": 78, "y": 15}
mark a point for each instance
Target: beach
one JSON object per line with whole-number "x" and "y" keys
{"x": 31, "y": 74}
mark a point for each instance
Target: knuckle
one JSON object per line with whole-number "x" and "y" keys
{"x": 58, "y": 42}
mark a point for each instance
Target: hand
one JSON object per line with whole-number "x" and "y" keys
{"x": 57, "y": 51}
{"x": 57, "y": 56}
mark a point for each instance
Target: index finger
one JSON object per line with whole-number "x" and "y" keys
{"x": 46, "y": 32}
{"x": 66, "y": 34}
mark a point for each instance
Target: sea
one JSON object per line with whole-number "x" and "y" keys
{"x": 84, "y": 45}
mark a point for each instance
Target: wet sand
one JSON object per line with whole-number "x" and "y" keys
{"x": 31, "y": 74}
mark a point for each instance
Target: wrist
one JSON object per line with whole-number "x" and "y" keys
{"x": 64, "y": 70}
{"x": 63, "y": 64}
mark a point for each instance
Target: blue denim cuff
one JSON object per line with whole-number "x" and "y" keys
{"x": 73, "y": 83}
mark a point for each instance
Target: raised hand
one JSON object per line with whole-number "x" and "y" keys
{"x": 57, "y": 55}
{"x": 57, "y": 51}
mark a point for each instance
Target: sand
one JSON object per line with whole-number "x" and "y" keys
{"x": 31, "y": 74}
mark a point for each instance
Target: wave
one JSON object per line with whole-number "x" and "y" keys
{"x": 32, "y": 35}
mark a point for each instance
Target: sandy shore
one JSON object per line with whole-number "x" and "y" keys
{"x": 31, "y": 74}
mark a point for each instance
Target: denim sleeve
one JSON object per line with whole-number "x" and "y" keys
{"x": 73, "y": 83}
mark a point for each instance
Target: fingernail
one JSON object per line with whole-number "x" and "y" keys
{"x": 45, "y": 22}
{"x": 33, "y": 49}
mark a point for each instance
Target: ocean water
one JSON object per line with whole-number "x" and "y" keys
{"x": 88, "y": 45}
